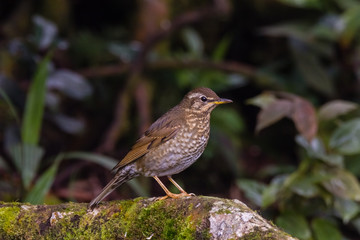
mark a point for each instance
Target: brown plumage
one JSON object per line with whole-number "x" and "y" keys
{"x": 170, "y": 145}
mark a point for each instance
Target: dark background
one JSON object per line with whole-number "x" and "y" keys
{"x": 116, "y": 66}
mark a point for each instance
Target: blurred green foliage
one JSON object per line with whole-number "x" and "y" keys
{"x": 321, "y": 190}
{"x": 99, "y": 89}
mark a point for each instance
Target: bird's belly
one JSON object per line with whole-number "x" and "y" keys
{"x": 174, "y": 155}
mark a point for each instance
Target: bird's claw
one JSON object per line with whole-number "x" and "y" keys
{"x": 162, "y": 198}
{"x": 176, "y": 196}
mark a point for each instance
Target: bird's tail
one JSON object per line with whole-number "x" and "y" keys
{"x": 111, "y": 186}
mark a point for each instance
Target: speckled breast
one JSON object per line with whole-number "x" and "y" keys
{"x": 178, "y": 153}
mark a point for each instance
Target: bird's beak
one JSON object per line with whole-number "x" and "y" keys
{"x": 222, "y": 101}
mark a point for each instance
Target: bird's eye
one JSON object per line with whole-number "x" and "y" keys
{"x": 203, "y": 98}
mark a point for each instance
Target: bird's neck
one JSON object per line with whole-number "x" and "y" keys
{"x": 197, "y": 119}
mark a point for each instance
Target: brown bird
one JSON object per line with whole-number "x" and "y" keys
{"x": 170, "y": 145}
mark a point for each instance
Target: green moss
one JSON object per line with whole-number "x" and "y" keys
{"x": 112, "y": 222}
{"x": 260, "y": 235}
{"x": 188, "y": 230}
{"x": 205, "y": 234}
{"x": 160, "y": 220}
{"x": 131, "y": 219}
{"x": 8, "y": 219}
{"x": 223, "y": 211}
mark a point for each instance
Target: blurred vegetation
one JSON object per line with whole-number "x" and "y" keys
{"x": 81, "y": 80}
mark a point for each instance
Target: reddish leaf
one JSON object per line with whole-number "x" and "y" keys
{"x": 273, "y": 113}
{"x": 304, "y": 117}
{"x": 335, "y": 108}
{"x": 277, "y": 105}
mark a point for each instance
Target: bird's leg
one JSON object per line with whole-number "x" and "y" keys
{"x": 176, "y": 185}
{"x": 168, "y": 193}
{"x": 180, "y": 188}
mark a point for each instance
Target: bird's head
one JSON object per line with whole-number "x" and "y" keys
{"x": 202, "y": 100}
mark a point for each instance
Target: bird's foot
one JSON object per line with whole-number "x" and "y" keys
{"x": 176, "y": 196}
{"x": 162, "y": 198}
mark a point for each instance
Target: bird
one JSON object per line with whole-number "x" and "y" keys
{"x": 170, "y": 145}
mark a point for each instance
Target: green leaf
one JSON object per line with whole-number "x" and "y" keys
{"x": 34, "y": 108}
{"x": 352, "y": 163}
{"x": 10, "y": 105}
{"x": 108, "y": 163}
{"x": 193, "y": 41}
{"x": 221, "y": 48}
{"x": 26, "y": 158}
{"x": 336, "y": 108}
{"x": 347, "y": 4}
{"x": 306, "y": 186}
{"x": 346, "y": 138}
{"x": 325, "y": 230}
{"x": 325, "y": 29}
{"x": 347, "y": 209}
{"x": 333, "y": 159}
{"x": 316, "y": 149}
{"x": 294, "y": 224}
{"x": 43, "y": 184}
{"x": 312, "y": 71}
{"x": 253, "y": 190}
{"x": 341, "y": 183}
{"x": 271, "y": 193}
{"x": 352, "y": 25}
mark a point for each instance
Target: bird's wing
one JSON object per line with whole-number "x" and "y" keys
{"x": 159, "y": 132}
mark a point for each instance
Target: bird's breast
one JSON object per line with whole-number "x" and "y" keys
{"x": 178, "y": 153}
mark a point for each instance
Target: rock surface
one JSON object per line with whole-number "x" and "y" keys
{"x": 187, "y": 218}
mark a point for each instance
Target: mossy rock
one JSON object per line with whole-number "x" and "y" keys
{"x": 187, "y": 218}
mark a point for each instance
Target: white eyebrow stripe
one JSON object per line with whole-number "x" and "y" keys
{"x": 193, "y": 95}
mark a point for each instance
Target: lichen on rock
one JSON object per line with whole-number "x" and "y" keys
{"x": 232, "y": 219}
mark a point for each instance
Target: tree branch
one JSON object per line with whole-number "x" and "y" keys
{"x": 118, "y": 69}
